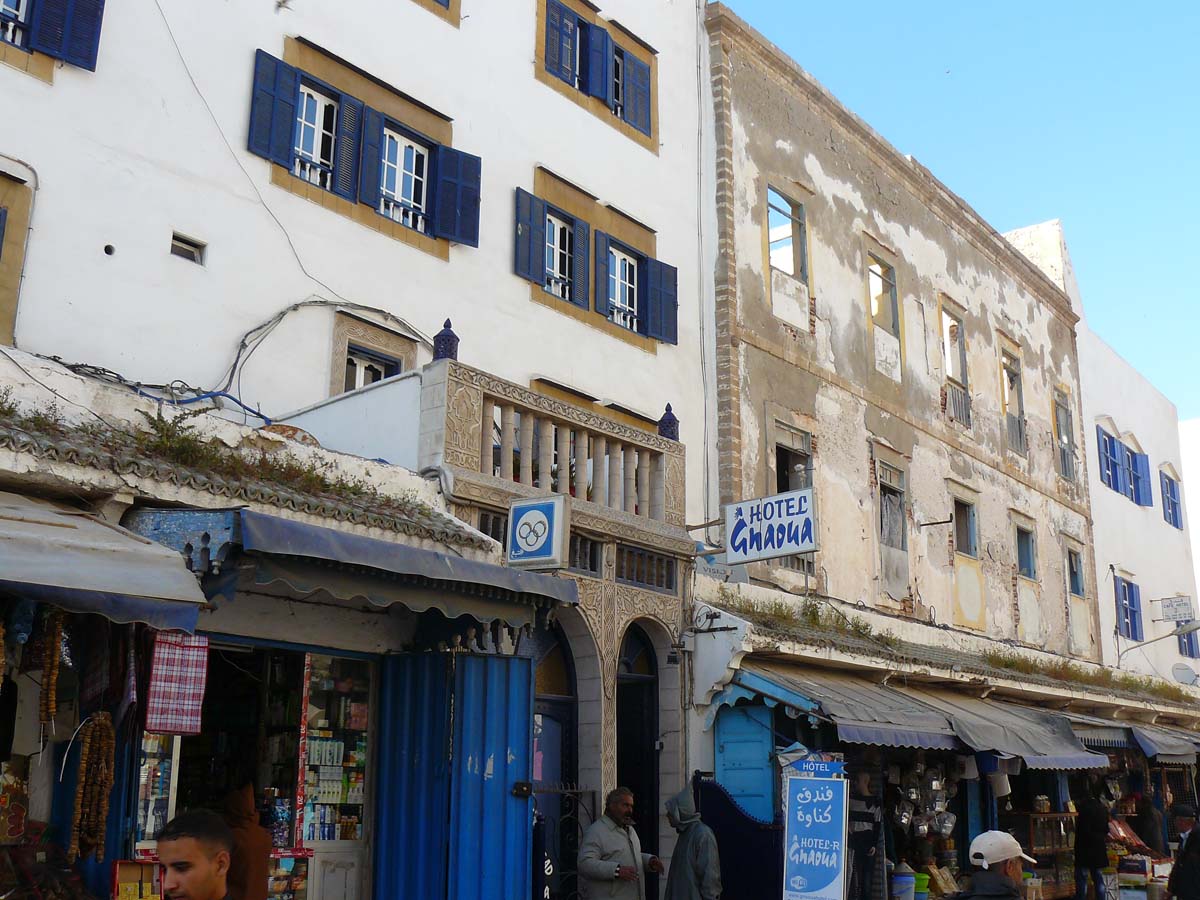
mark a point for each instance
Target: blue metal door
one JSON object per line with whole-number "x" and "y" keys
{"x": 413, "y": 775}
{"x": 745, "y": 746}
{"x": 491, "y": 828}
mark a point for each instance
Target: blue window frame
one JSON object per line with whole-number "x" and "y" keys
{"x": 1172, "y": 510}
{"x": 583, "y": 55}
{"x": 642, "y": 297}
{"x": 65, "y": 29}
{"x": 1111, "y": 460}
{"x": 1075, "y": 582}
{"x": 1129, "y": 609}
{"x": 337, "y": 142}
{"x": 1026, "y": 553}
{"x": 1123, "y": 470}
{"x": 1189, "y": 644}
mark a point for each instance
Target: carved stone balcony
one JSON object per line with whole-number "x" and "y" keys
{"x": 499, "y": 440}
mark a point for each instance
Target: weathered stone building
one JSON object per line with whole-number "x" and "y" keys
{"x": 875, "y": 336}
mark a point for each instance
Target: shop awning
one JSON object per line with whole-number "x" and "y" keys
{"x": 72, "y": 559}
{"x": 302, "y": 560}
{"x": 1163, "y": 746}
{"x": 1096, "y": 732}
{"x": 862, "y": 711}
{"x": 1043, "y": 740}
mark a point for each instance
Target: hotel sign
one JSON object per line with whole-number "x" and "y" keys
{"x": 770, "y": 527}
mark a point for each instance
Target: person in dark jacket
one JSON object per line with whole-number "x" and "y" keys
{"x": 1148, "y": 826}
{"x": 1091, "y": 846}
{"x": 997, "y": 858}
{"x": 1184, "y": 883}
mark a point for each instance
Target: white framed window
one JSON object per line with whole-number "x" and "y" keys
{"x": 881, "y": 279}
{"x": 618, "y": 87}
{"x": 364, "y": 368}
{"x": 404, "y": 174}
{"x": 622, "y": 288}
{"x": 12, "y": 21}
{"x": 316, "y": 132}
{"x": 560, "y": 252}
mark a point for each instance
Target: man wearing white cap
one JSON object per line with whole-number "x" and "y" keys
{"x": 997, "y": 858}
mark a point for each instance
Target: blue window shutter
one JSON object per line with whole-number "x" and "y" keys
{"x": 68, "y": 30}
{"x": 1124, "y": 469}
{"x": 600, "y": 61}
{"x": 601, "y": 274}
{"x": 637, "y": 93}
{"x": 1144, "y": 495}
{"x": 3, "y": 222}
{"x": 1102, "y": 447}
{"x": 562, "y": 31}
{"x": 1165, "y": 491}
{"x": 1122, "y": 608}
{"x": 579, "y": 264}
{"x": 273, "y": 109}
{"x": 1135, "y": 611}
{"x": 372, "y": 158}
{"x": 530, "y": 256}
{"x": 456, "y": 195}
{"x": 346, "y": 150}
{"x": 661, "y": 304}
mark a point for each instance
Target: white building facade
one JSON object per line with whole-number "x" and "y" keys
{"x": 1135, "y": 480}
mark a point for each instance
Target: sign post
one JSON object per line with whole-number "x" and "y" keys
{"x": 814, "y": 838}
{"x": 770, "y": 527}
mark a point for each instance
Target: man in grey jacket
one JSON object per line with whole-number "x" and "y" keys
{"x": 611, "y": 862}
{"x": 695, "y": 864}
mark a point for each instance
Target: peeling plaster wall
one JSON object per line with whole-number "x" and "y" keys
{"x": 778, "y": 127}
{"x": 1135, "y": 541}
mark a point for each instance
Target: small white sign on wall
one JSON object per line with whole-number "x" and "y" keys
{"x": 1178, "y": 609}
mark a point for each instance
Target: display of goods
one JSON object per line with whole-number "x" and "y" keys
{"x": 93, "y": 787}
{"x": 52, "y": 644}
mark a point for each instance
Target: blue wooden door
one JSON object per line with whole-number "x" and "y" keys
{"x": 491, "y": 828}
{"x": 745, "y": 762}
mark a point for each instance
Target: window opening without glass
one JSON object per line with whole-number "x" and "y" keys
{"x": 187, "y": 248}
{"x": 964, "y": 529}
{"x": 622, "y": 288}
{"x": 560, "y": 251}
{"x": 1014, "y": 403}
{"x": 316, "y": 131}
{"x": 1075, "y": 572}
{"x": 785, "y": 235}
{"x": 1026, "y": 553}
{"x": 892, "y": 532}
{"x": 881, "y": 279}
{"x": 1064, "y": 436}
{"x": 403, "y": 180}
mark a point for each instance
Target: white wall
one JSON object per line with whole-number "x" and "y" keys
{"x": 128, "y": 154}
{"x": 1136, "y": 539}
{"x": 1189, "y": 446}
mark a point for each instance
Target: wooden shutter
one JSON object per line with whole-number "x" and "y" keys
{"x": 579, "y": 264}
{"x": 601, "y": 273}
{"x": 371, "y": 161}
{"x": 530, "y": 255}
{"x": 458, "y": 177}
{"x": 661, "y": 316}
{"x": 600, "y": 62}
{"x": 637, "y": 93}
{"x": 68, "y": 30}
{"x": 273, "y": 109}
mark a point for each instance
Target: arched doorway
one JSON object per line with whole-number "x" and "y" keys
{"x": 637, "y": 733}
{"x": 555, "y": 757}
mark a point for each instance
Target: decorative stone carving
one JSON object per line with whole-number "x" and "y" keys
{"x": 464, "y": 423}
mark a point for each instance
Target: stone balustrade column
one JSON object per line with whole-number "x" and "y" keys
{"x": 486, "y": 433}
{"x": 581, "y": 464}
{"x": 614, "y": 474}
{"x": 643, "y": 483}
{"x": 506, "y": 442}
{"x": 600, "y": 469}
{"x": 545, "y": 454}
{"x": 630, "y": 479}
{"x": 527, "y": 448}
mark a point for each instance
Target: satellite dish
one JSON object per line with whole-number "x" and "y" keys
{"x": 1184, "y": 674}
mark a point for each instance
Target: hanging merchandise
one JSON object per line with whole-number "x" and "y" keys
{"x": 51, "y": 651}
{"x": 93, "y": 787}
{"x": 20, "y": 620}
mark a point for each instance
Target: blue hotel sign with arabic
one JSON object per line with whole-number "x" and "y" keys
{"x": 814, "y": 845}
{"x": 770, "y": 527}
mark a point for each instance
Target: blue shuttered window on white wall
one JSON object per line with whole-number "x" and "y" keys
{"x": 1124, "y": 470}
{"x": 67, "y": 29}
{"x": 584, "y": 55}
{"x": 1189, "y": 644}
{"x": 452, "y": 183}
{"x": 1172, "y": 509}
{"x": 1129, "y": 609}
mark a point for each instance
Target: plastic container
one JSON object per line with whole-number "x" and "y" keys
{"x": 921, "y": 884}
{"x": 920, "y": 895}
{"x": 904, "y": 883}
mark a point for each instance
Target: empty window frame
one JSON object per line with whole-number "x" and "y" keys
{"x": 494, "y": 525}
{"x": 187, "y": 248}
{"x": 1064, "y": 436}
{"x": 363, "y": 367}
{"x": 786, "y": 240}
{"x": 892, "y": 530}
{"x": 13, "y": 16}
{"x": 793, "y": 469}
{"x": 1026, "y": 552}
{"x": 966, "y": 539}
{"x": 954, "y": 348}
{"x": 622, "y": 288}
{"x": 1129, "y": 609}
{"x": 881, "y": 283}
{"x": 560, "y": 254}
{"x": 1172, "y": 508}
{"x": 404, "y": 176}
{"x": 316, "y": 134}
{"x": 1075, "y": 582}
{"x": 1013, "y": 398}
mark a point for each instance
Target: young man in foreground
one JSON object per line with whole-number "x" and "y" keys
{"x": 194, "y": 850}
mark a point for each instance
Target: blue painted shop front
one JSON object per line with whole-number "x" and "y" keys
{"x": 453, "y": 714}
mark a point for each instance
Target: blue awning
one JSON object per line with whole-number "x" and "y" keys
{"x": 863, "y": 711}
{"x": 303, "y": 559}
{"x": 1163, "y": 746}
{"x": 74, "y": 560}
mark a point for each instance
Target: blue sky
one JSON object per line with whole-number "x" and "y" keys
{"x": 1088, "y": 113}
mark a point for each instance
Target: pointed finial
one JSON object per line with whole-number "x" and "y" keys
{"x": 668, "y": 425}
{"x": 445, "y": 343}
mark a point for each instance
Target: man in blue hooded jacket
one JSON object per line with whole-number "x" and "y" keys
{"x": 695, "y": 872}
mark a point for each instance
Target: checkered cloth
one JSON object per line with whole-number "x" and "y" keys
{"x": 177, "y": 679}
